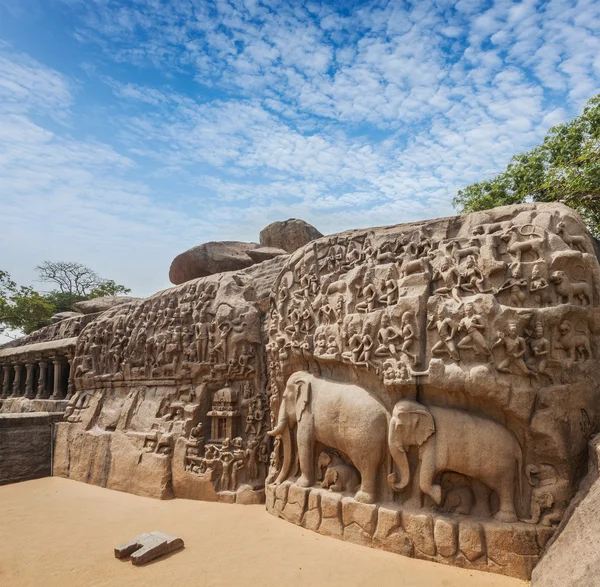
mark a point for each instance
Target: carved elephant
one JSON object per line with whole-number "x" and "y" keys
{"x": 327, "y": 459}
{"x": 341, "y": 478}
{"x": 454, "y": 440}
{"x": 339, "y": 415}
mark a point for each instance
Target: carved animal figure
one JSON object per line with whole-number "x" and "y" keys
{"x": 574, "y": 241}
{"x": 458, "y": 497}
{"x": 453, "y": 440}
{"x": 341, "y": 478}
{"x": 516, "y": 247}
{"x": 576, "y": 345}
{"x": 339, "y": 415}
{"x": 567, "y": 290}
{"x": 327, "y": 459}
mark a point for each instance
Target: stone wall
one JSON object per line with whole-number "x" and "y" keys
{"x": 26, "y": 446}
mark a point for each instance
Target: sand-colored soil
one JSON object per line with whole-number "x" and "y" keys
{"x": 55, "y": 532}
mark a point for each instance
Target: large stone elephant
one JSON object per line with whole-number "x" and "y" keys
{"x": 339, "y": 415}
{"x": 454, "y": 440}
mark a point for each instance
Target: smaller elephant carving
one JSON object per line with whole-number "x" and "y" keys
{"x": 458, "y": 496}
{"x": 328, "y": 459}
{"x": 341, "y": 478}
{"x": 549, "y": 496}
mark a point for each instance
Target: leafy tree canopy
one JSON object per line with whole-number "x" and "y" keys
{"x": 564, "y": 168}
{"x": 22, "y": 308}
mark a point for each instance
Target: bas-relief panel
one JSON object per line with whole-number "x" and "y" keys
{"x": 446, "y": 367}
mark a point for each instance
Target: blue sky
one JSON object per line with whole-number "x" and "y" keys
{"x": 130, "y": 131}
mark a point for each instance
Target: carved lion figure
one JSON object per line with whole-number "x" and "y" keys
{"x": 576, "y": 345}
{"x": 567, "y": 290}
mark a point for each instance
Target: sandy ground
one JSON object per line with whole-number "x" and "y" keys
{"x": 55, "y": 532}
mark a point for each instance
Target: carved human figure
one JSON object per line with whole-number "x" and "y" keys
{"x": 202, "y": 331}
{"x": 471, "y": 278}
{"x": 449, "y": 276}
{"x": 517, "y": 287}
{"x": 446, "y": 328}
{"x": 540, "y": 349}
{"x": 455, "y": 440}
{"x": 368, "y": 293}
{"x": 409, "y": 336}
{"x": 539, "y": 287}
{"x": 389, "y": 294}
{"x": 326, "y": 312}
{"x": 473, "y": 325}
{"x": 515, "y": 349}
{"x": 252, "y": 459}
{"x": 388, "y": 337}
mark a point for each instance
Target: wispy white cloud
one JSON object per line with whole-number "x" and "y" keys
{"x": 343, "y": 117}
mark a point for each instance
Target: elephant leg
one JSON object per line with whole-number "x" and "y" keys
{"x": 305, "y": 439}
{"x": 507, "y": 512}
{"x": 367, "y": 492}
{"x": 427, "y": 473}
{"x": 481, "y": 507}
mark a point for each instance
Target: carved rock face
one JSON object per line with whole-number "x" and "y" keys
{"x": 482, "y": 332}
{"x": 289, "y": 235}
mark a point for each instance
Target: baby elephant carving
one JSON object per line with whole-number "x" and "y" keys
{"x": 341, "y": 478}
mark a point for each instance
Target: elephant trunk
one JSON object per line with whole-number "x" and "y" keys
{"x": 400, "y": 459}
{"x": 287, "y": 456}
{"x": 282, "y": 422}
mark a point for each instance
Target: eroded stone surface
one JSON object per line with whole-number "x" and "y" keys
{"x": 289, "y": 235}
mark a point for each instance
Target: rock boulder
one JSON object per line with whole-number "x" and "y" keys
{"x": 102, "y": 303}
{"x": 288, "y": 234}
{"x": 218, "y": 257}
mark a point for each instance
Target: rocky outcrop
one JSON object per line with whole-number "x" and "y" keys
{"x": 289, "y": 235}
{"x": 102, "y": 303}
{"x": 64, "y": 316}
{"x": 572, "y": 558}
{"x": 218, "y": 257}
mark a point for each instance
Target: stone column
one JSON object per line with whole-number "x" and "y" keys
{"x": 42, "y": 392}
{"x": 16, "y": 387}
{"x": 58, "y": 368}
{"x": 29, "y": 380}
{"x": 6, "y": 369}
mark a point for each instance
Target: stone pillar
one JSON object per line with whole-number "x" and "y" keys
{"x": 6, "y": 379}
{"x": 16, "y": 387}
{"x": 42, "y": 392}
{"x": 58, "y": 371}
{"x": 29, "y": 381}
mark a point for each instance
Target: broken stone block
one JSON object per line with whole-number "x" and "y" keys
{"x": 445, "y": 534}
{"x": 472, "y": 542}
{"x": 148, "y": 546}
{"x": 419, "y": 528}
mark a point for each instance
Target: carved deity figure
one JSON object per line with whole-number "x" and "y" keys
{"x": 446, "y": 328}
{"x": 539, "y": 287}
{"x": 515, "y": 349}
{"x": 389, "y": 293}
{"x": 471, "y": 278}
{"x": 473, "y": 325}
{"x": 517, "y": 287}
{"x": 387, "y": 337}
{"x": 540, "y": 349}
{"x": 449, "y": 276}
{"x": 368, "y": 294}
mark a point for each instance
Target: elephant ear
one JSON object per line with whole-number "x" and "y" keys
{"x": 424, "y": 426}
{"x": 303, "y": 395}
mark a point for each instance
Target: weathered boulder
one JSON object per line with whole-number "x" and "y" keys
{"x": 60, "y": 316}
{"x": 289, "y": 235}
{"x": 218, "y": 257}
{"x": 103, "y": 303}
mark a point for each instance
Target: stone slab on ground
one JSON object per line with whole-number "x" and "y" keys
{"x": 148, "y": 546}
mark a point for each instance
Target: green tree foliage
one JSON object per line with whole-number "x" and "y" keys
{"x": 564, "y": 168}
{"x": 22, "y": 308}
